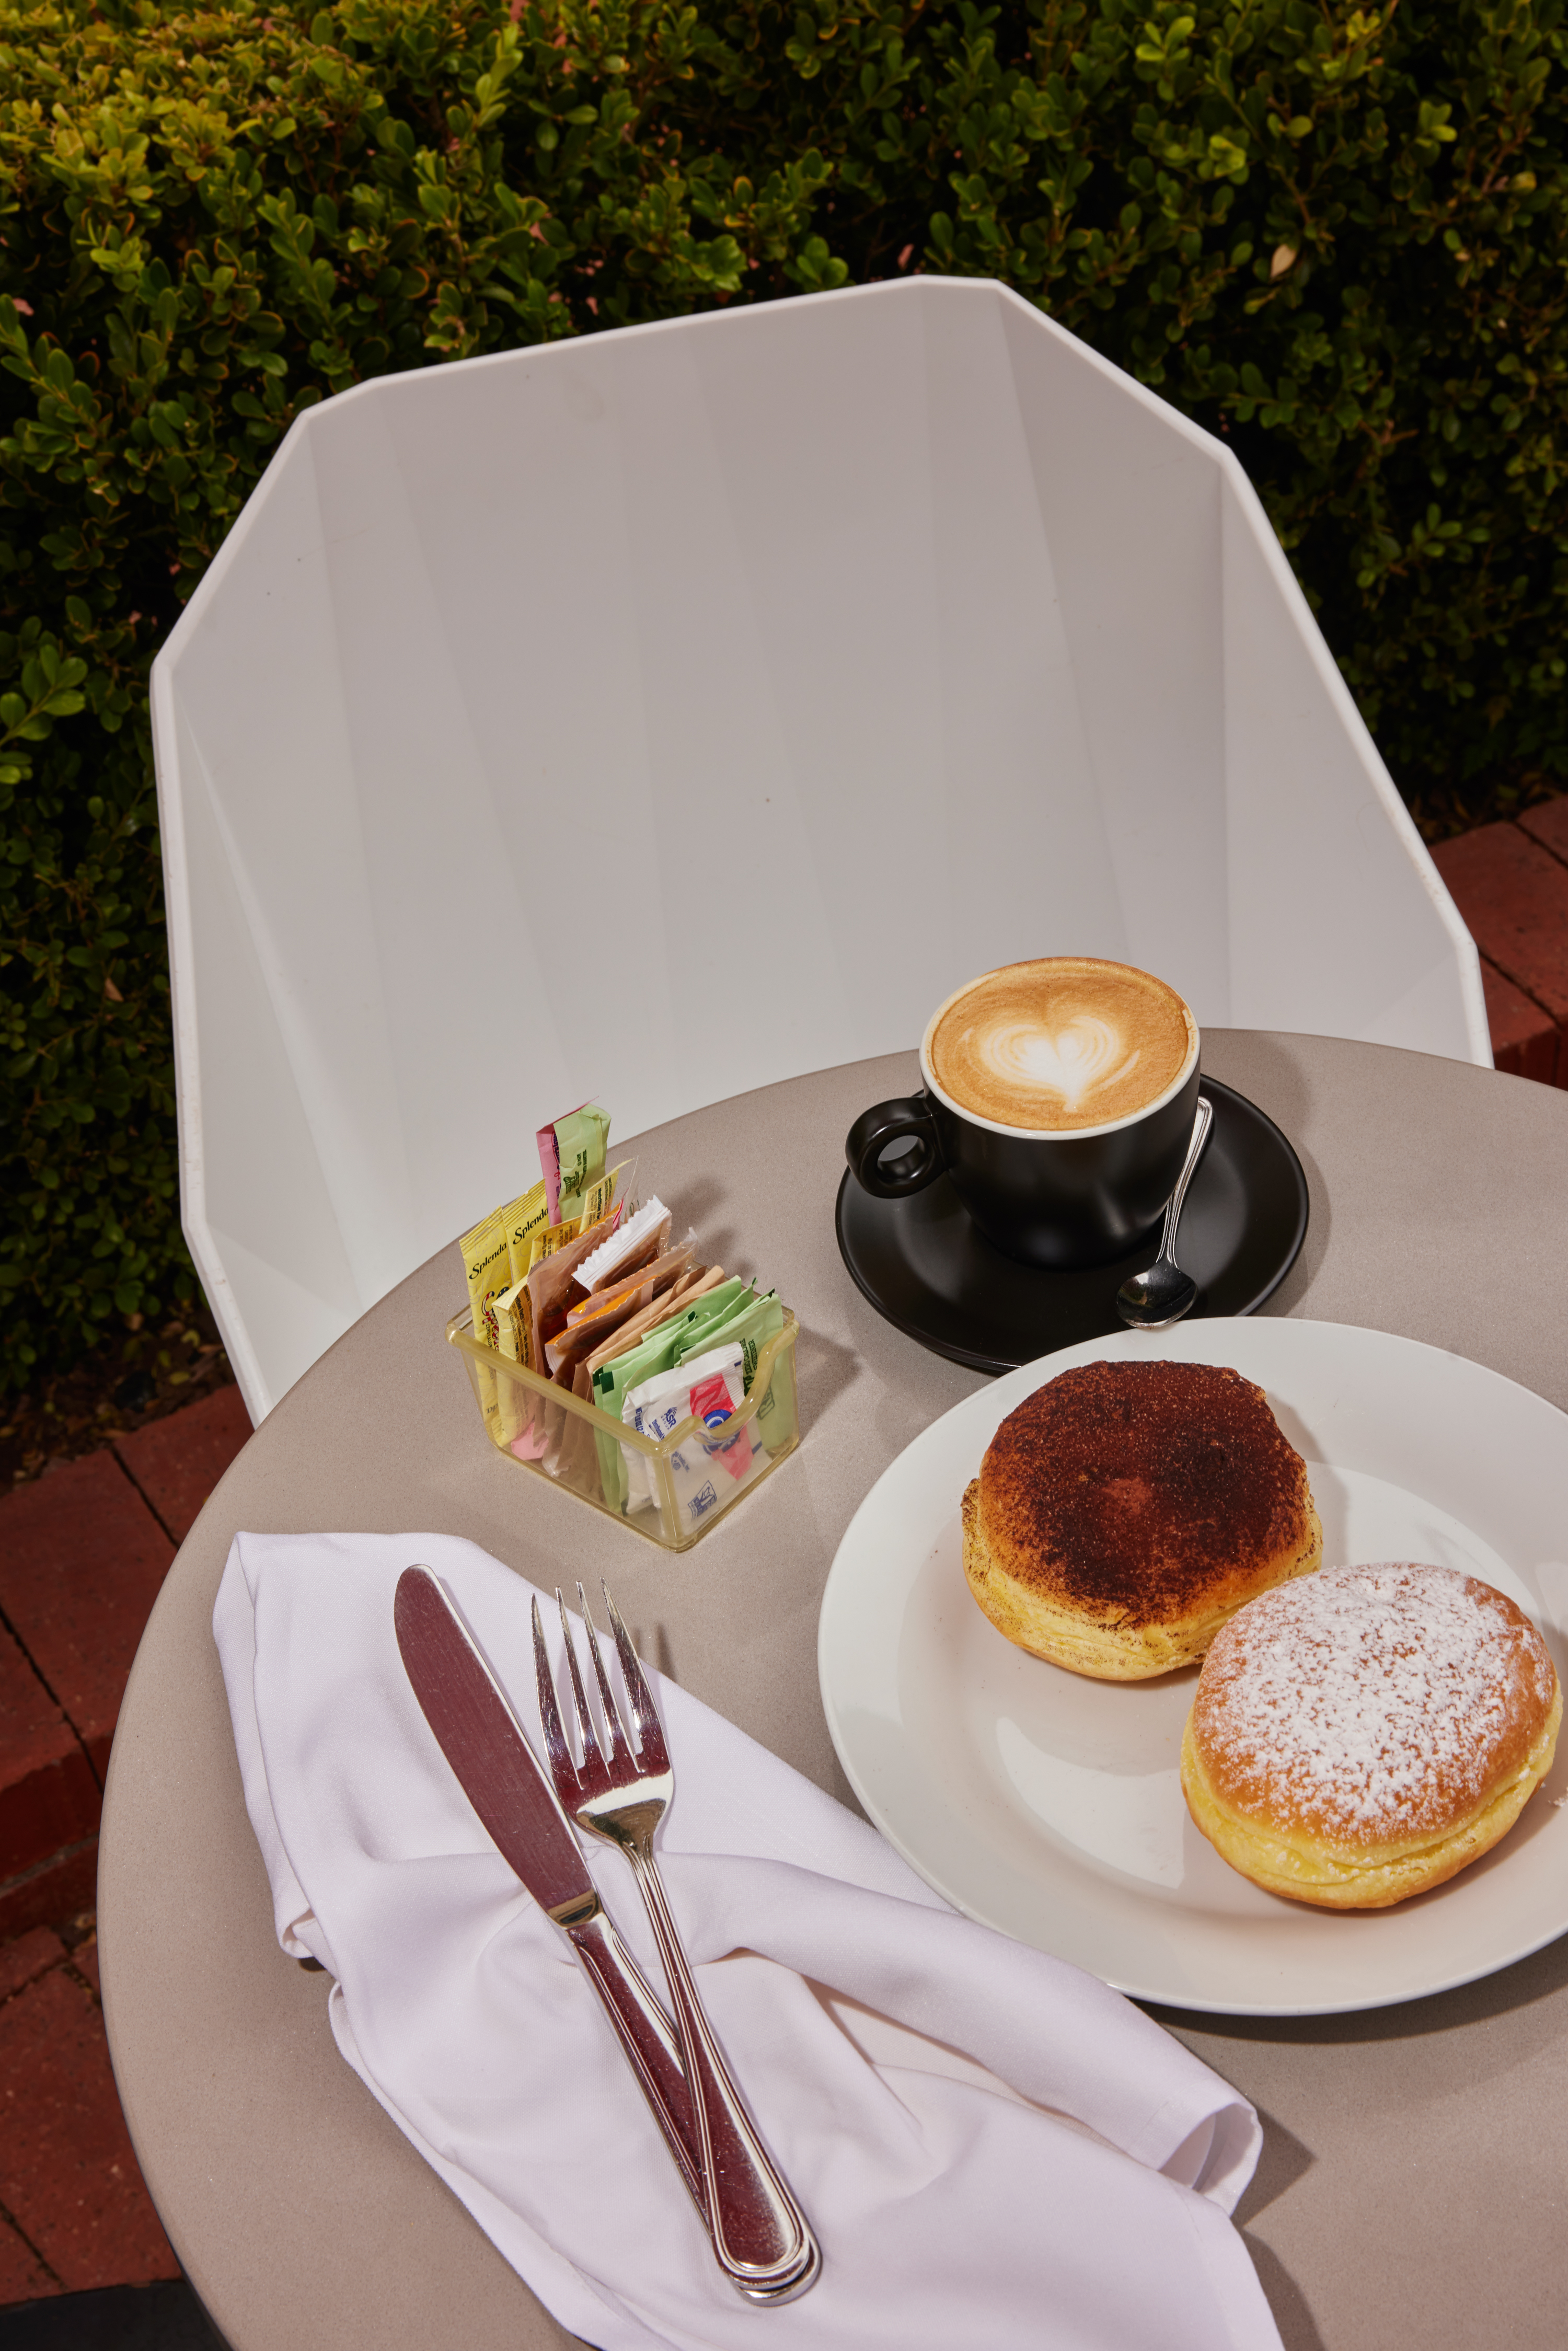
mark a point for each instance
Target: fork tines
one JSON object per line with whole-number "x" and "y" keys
{"x": 645, "y": 1713}
{"x": 600, "y": 1765}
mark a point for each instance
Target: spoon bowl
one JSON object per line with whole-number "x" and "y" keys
{"x": 1154, "y": 1299}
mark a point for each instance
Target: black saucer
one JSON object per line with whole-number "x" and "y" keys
{"x": 923, "y": 1265}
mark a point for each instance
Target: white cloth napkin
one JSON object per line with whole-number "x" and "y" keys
{"x": 993, "y": 2148}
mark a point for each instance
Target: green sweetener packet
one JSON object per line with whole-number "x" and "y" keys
{"x": 579, "y": 1141}
{"x": 655, "y": 1354}
{"x": 753, "y": 1321}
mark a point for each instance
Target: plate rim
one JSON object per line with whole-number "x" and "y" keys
{"x": 1183, "y": 2004}
{"x": 974, "y": 1359}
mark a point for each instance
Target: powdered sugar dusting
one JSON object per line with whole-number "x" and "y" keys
{"x": 1370, "y": 1704}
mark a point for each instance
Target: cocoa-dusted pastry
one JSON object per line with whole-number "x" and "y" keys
{"x": 1365, "y": 1735}
{"x": 1124, "y": 1510}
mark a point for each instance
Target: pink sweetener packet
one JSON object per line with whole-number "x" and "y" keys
{"x": 571, "y": 1157}
{"x": 712, "y": 1402}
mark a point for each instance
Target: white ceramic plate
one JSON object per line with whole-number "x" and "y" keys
{"x": 1049, "y": 1806}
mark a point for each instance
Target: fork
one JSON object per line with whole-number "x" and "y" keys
{"x": 761, "y": 2239}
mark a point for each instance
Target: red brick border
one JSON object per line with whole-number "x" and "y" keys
{"x": 74, "y": 2209}
{"x": 83, "y": 1552}
{"x": 1510, "y": 882}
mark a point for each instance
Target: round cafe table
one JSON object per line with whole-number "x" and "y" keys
{"x": 1410, "y": 2188}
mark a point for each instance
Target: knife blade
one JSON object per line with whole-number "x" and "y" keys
{"x": 482, "y": 1739}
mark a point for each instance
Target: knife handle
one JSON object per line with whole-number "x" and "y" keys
{"x": 645, "y": 2037}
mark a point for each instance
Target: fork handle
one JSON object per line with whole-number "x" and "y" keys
{"x": 643, "y": 2032}
{"x": 760, "y": 2236}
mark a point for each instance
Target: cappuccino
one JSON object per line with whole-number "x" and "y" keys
{"x": 1060, "y": 1045}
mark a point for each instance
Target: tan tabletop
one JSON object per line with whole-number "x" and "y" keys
{"x": 1410, "y": 2189}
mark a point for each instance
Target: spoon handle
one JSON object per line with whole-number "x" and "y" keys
{"x": 1201, "y": 1126}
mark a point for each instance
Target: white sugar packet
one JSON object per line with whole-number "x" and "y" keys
{"x": 710, "y": 1387}
{"x": 603, "y": 1260}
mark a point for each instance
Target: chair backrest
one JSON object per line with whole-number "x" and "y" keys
{"x": 663, "y": 713}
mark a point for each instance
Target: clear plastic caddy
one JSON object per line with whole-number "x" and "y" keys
{"x": 672, "y": 1490}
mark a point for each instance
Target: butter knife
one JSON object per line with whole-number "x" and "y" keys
{"x": 483, "y": 1740}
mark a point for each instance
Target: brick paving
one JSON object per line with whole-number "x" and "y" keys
{"x": 83, "y": 1552}
{"x": 176, "y": 1462}
{"x": 69, "y": 2186}
{"x": 47, "y": 1791}
{"x": 1510, "y": 883}
{"x": 81, "y": 1562}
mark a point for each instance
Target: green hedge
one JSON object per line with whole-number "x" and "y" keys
{"x": 1336, "y": 235}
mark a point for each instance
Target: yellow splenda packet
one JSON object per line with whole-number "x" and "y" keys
{"x": 553, "y": 1238}
{"x": 487, "y": 1266}
{"x": 601, "y": 1196}
{"x": 597, "y": 1200}
{"x": 514, "y": 1401}
{"x": 526, "y": 1218}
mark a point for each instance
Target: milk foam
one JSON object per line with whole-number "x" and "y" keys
{"x": 1087, "y": 1054}
{"x": 1061, "y": 1043}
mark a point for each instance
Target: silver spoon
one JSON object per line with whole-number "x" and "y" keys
{"x": 1154, "y": 1299}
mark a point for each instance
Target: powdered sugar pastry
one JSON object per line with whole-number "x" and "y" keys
{"x": 1365, "y": 1704}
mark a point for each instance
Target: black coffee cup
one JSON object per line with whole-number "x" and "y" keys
{"x": 1075, "y": 1198}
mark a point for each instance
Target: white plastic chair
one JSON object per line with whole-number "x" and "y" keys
{"x": 663, "y": 713}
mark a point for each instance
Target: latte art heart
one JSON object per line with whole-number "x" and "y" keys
{"x": 1087, "y": 1053}
{"x": 1059, "y": 1044}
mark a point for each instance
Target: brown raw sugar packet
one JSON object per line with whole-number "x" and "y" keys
{"x": 592, "y": 1320}
{"x": 575, "y": 1455}
{"x": 549, "y": 1287}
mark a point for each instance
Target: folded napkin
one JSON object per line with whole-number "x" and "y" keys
{"x": 992, "y": 2147}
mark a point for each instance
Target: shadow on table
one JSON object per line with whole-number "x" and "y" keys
{"x": 696, "y": 1206}
{"x": 824, "y": 1370}
{"x": 1274, "y": 1080}
{"x": 162, "y": 2317}
{"x": 1286, "y": 1096}
{"x": 1298, "y": 2328}
{"x": 1283, "y": 2161}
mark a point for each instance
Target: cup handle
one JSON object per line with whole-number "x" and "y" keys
{"x": 887, "y": 1122}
